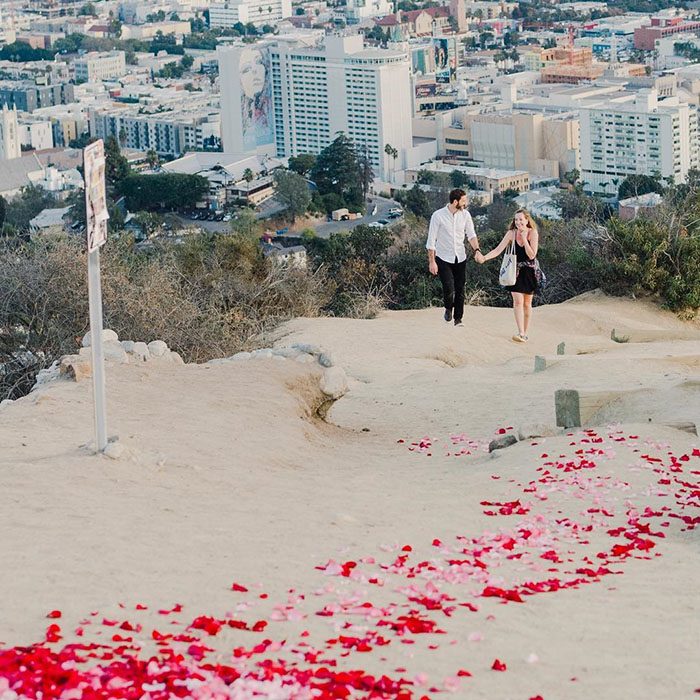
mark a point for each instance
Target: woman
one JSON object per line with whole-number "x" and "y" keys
{"x": 524, "y": 230}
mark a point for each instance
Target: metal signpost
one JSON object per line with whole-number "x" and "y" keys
{"x": 96, "y": 226}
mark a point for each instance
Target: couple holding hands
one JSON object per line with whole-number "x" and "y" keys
{"x": 447, "y": 257}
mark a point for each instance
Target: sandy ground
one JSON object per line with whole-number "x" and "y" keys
{"x": 231, "y": 476}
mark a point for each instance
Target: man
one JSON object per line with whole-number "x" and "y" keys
{"x": 447, "y": 255}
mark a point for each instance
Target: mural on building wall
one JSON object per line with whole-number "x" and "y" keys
{"x": 256, "y": 99}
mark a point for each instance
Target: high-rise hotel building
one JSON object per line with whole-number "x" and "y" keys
{"x": 343, "y": 86}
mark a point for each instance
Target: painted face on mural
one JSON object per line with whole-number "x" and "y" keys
{"x": 252, "y": 72}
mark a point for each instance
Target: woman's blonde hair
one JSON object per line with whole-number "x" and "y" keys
{"x": 530, "y": 221}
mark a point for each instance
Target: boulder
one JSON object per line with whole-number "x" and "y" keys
{"x": 75, "y": 367}
{"x": 240, "y": 356}
{"x": 114, "y": 450}
{"x": 175, "y": 357}
{"x": 141, "y": 351}
{"x": 536, "y": 430}
{"x": 325, "y": 359}
{"x": 128, "y": 345}
{"x": 6, "y": 402}
{"x": 157, "y": 348}
{"x": 285, "y": 352}
{"x": 47, "y": 375}
{"x": 114, "y": 352}
{"x": 262, "y": 354}
{"x": 306, "y": 347}
{"x": 304, "y": 358}
{"x": 502, "y": 441}
{"x": 108, "y": 335}
{"x": 334, "y": 382}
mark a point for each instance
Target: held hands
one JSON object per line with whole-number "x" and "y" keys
{"x": 478, "y": 256}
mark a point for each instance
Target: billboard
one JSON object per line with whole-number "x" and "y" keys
{"x": 442, "y": 60}
{"x": 246, "y": 99}
{"x": 426, "y": 90}
{"x": 445, "y": 59}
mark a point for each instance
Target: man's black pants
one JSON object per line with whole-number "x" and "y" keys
{"x": 452, "y": 276}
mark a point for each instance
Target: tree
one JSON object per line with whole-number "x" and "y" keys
{"x": 116, "y": 167}
{"x": 293, "y": 191}
{"x": 246, "y": 224}
{"x": 22, "y": 208}
{"x": 458, "y": 178}
{"x": 186, "y": 61}
{"x": 302, "y": 164}
{"x": 78, "y": 212}
{"x": 636, "y": 185}
{"x": 577, "y": 205}
{"x": 417, "y": 203}
{"x": 163, "y": 191}
{"x": 87, "y": 9}
{"x": 22, "y": 52}
{"x": 485, "y": 38}
{"x": 3, "y": 211}
{"x": 366, "y": 171}
{"x": 248, "y": 175}
{"x": 152, "y": 158}
{"x": 150, "y": 222}
{"x": 393, "y": 153}
{"x": 425, "y": 177}
{"x": 338, "y": 170}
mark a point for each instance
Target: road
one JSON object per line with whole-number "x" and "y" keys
{"x": 323, "y": 230}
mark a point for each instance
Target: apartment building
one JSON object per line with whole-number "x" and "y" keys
{"x": 97, "y": 66}
{"x": 642, "y": 135}
{"x": 258, "y": 12}
{"x": 660, "y": 27}
{"x": 167, "y": 133}
{"x": 26, "y": 96}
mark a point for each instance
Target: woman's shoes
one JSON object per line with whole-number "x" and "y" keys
{"x": 519, "y": 338}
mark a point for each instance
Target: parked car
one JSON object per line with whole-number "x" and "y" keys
{"x": 393, "y": 215}
{"x": 396, "y": 210}
{"x": 383, "y": 222}
{"x": 376, "y": 224}
{"x": 227, "y": 217}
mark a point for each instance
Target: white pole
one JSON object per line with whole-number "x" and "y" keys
{"x": 98, "y": 365}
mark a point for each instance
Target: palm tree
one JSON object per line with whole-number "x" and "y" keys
{"x": 392, "y": 153}
{"x": 248, "y": 175}
{"x": 152, "y": 158}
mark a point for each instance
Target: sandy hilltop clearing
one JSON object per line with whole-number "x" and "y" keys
{"x": 380, "y": 538}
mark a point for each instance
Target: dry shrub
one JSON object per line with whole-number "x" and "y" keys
{"x": 214, "y": 311}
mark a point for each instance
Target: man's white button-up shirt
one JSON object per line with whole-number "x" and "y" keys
{"x": 447, "y": 232}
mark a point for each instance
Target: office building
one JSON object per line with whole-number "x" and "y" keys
{"x": 641, "y": 135}
{"x": 258, "y": 12}
{"x": 97, "y": 66}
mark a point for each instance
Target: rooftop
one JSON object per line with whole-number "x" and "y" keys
{"x": 49, "y": 217}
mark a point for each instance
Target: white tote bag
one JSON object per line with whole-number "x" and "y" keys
{"x": 509, "y": 266}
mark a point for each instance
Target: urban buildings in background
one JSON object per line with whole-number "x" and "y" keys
{"x": 286, "y": 98}
{"x": 515, "y": 96}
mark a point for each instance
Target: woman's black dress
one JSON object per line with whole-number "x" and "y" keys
{"x": 526, "y": 281}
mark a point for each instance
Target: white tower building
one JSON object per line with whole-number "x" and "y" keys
{"x": 9, "y": 134}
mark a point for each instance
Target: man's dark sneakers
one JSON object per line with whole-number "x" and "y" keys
{"x": 448, "y": 315}
{"x": 458, "y": 322}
